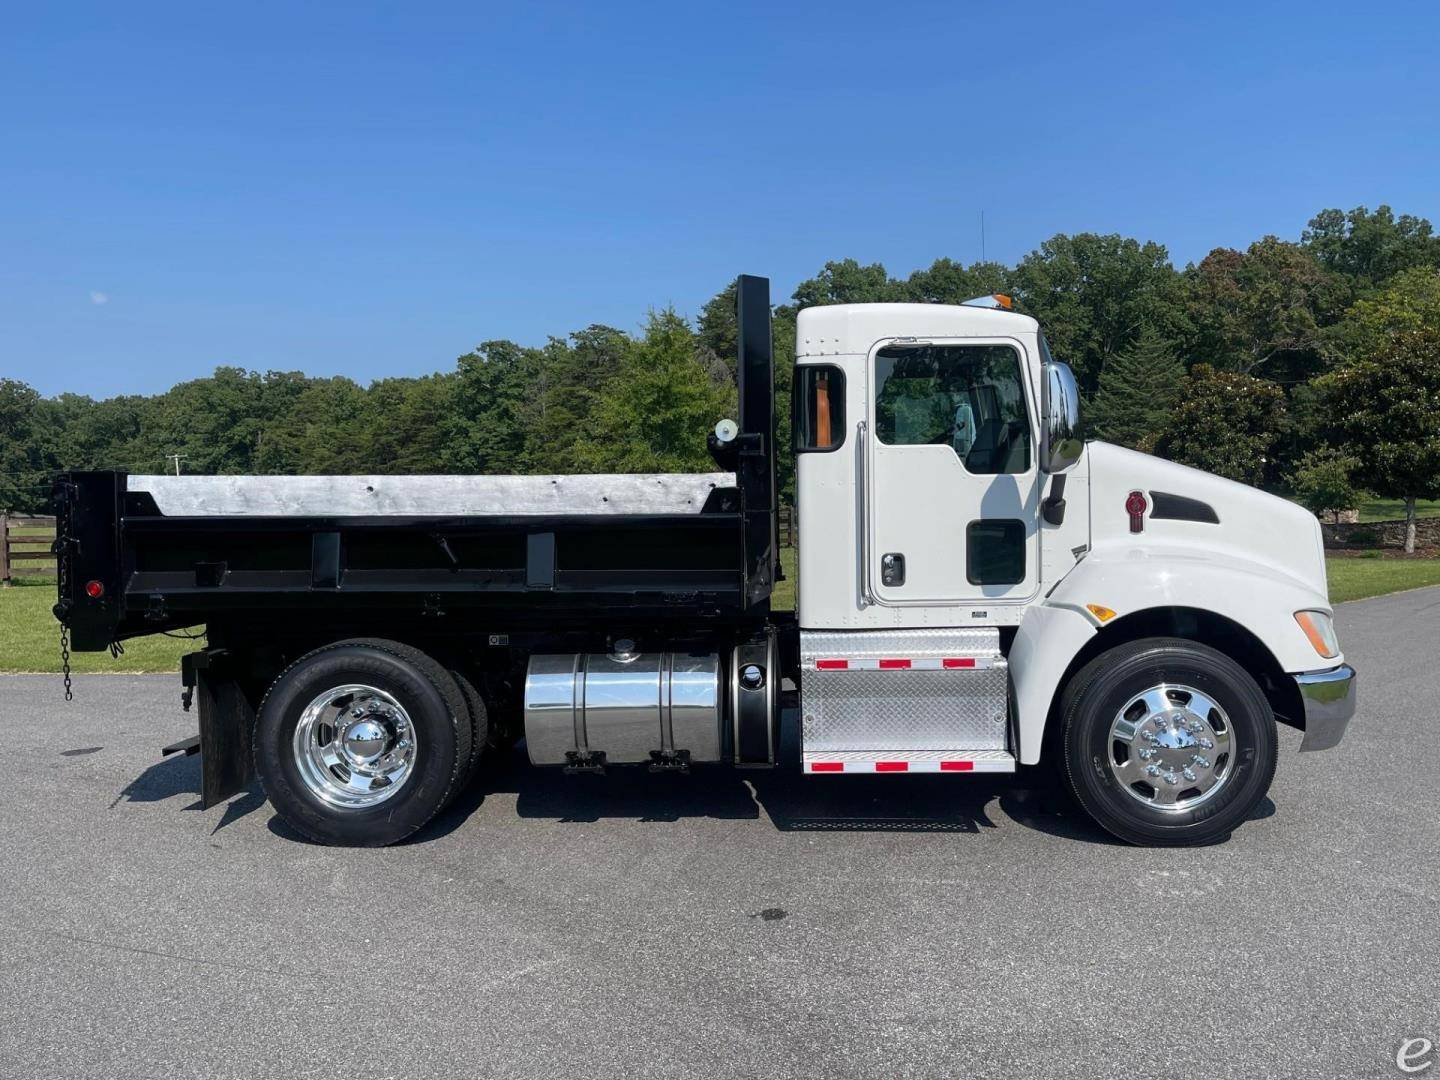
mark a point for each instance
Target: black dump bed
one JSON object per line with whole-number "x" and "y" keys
{"x": 131, "y": 568}
{"x": 141, "y": 554}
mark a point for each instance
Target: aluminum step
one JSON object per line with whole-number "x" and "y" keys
{"x": 909, "y": 761}
{"x": 894, "y": 692}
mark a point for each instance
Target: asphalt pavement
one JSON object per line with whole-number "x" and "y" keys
{"x": 718, "y": 925}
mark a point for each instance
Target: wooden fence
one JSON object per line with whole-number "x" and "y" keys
{"x": 788, "y": 525}
{"x": 25, "y": 541}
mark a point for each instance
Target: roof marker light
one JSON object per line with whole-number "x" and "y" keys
{"x": 994, "y": 300}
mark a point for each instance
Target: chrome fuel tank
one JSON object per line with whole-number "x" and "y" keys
{"x": 622, "y": 708}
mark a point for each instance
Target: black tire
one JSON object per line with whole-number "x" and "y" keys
{"x": 436, "y": 708}
{"x": 1100, "y": 690}
{"x": 479, "y": 724}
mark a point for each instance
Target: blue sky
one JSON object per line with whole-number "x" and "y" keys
{"x": 372, "y": 189}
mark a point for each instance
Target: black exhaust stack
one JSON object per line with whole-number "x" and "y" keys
{"x": 755, "y": 466}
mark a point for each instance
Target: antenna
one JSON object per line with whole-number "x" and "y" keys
{"x": 177, "y": 458}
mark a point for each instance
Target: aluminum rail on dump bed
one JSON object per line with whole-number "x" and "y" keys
{"x": 366, "y": 496}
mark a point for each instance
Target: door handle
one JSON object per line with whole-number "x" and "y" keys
{"x": 892, "y": 569}
{"x": 867, "y": 589}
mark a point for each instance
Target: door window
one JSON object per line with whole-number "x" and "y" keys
{"x": 968, "y": 397}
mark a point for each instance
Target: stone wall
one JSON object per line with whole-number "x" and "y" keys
{"x": 1380, "y": 534}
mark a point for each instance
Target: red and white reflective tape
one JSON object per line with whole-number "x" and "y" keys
{"x": 820, "y": 764}
{"x": 904, "y": 663}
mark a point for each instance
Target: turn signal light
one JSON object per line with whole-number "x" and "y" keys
{"x": 1100, "y": 611}
{"x": 1320, "y": 629}
{"x": 95, "y": 589}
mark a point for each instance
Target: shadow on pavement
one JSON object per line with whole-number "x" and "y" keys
{"x": 1034, "y": 798}
{"x": 791, "y": 801}
{"x": 180, "y": 775}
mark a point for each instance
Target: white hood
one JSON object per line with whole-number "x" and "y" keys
{"x": 1263, "y": 529}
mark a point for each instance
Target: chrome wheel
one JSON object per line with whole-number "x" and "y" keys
{"x": 354, "y": 746}
{"x": 1171, "y": 748}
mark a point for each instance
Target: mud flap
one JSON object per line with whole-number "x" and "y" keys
{"x": 226, "y": 722}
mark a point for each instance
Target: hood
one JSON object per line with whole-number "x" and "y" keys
{"x": 1195, "y": 509}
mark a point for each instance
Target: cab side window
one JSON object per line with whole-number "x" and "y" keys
{"x": 819, "y": 401}
{"x": 968, "y": 397}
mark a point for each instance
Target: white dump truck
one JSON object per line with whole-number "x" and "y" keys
{"x": 978, "y": 591}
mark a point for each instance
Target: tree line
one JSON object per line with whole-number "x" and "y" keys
{"x": 1310, "y": 366}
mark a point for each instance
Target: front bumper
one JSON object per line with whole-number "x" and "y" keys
{"x": 1329, "y": 698}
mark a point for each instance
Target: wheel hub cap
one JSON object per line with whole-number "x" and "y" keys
{"x": 1170, "y": 747}
{"x": 364, "y": 742}
{"x": 354, "y": 746}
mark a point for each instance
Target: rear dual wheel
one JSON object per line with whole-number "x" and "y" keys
{"x": 363, "y": 742}
{"x": 1167, "y": 742}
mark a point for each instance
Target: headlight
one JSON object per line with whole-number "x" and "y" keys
{"x": 1320, "y": 629}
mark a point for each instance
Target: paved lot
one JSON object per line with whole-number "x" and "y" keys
{"x": 658, "y": 926}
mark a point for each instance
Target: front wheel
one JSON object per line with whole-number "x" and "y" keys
{"x": 1167, "y": 742}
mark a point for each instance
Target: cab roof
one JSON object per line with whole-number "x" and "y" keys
{"x": 854, "y": 328}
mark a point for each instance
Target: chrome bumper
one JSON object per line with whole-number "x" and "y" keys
{"x": 1329, "y": 698}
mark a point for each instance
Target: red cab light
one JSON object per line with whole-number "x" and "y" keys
{"x": 1135, "y": 506}
{"x": 95, "y": 589}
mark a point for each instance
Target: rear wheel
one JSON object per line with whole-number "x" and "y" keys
{"x": 362, "y": 742}
{"x": 1167, "y": 741}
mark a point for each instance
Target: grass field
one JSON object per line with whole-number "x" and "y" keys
{"x": 30, "y": 637}
{"x": 1357, "y": 578}
{"x": 1394, "y": 509}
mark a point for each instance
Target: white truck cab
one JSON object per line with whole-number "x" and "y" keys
{"x": 972, "y": 574}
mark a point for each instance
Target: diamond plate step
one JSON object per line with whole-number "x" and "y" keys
{"x": 909, "y": 761}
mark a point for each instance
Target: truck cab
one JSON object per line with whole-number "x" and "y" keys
{"x": 953, "y": 526}
{"x": 980, "y": 590}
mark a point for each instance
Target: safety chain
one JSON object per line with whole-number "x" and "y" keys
{"x": 65, "y": 660}
{"x": 63, "y": 498}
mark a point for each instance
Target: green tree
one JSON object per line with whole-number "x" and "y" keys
{"x": 1264, "y": 307}
{"x": 1387, "y": 410}
{"x": 1138, "y": 390}
{"x": 408, "y": 427}
{"x": 1370, "y": 247}
{"x": 1409, "y": 301}
{"x": 656, "y": 410}
{"x": 847, "y": 282}
{"x": 1228, "y": 424}
{"x": 324, "y": 431}
{"x": 23, "y": 477}
{"x": 1323, "y": 484}
{"x": 1093, "y": 294}
{"x": 487, "y": 429}
{"x": 948, "y": 282}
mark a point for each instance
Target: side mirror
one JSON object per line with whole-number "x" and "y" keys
{"x": 1060, "y": 447}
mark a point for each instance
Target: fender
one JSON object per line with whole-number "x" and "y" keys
{"x": 1131, "y": 579}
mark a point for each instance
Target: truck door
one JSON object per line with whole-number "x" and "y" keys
{"x": 951, "y": 488}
